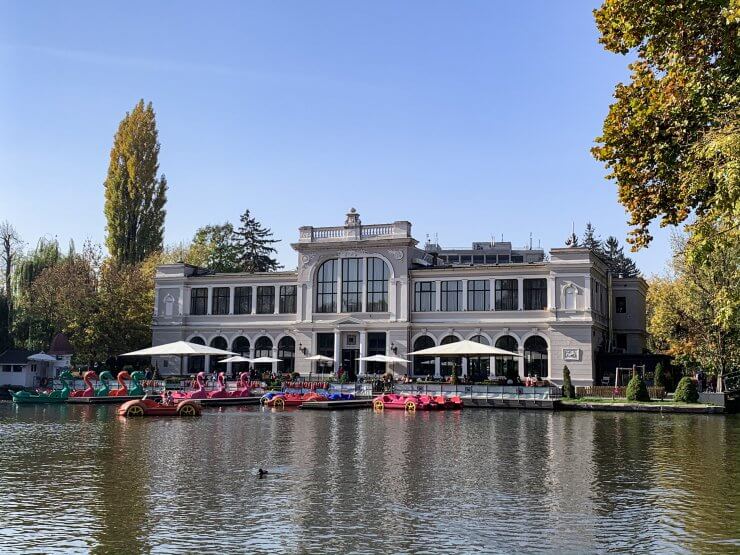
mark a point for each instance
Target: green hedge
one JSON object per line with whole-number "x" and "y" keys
{"x": 686, "y": 391}
{"x": 637, "y": 390}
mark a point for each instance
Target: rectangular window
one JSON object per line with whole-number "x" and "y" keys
{"x": 288, "y": 298}
{"x": 507, "y": 294}
{"x": 503, "y": 258}
{"x": 18, "y": 368}
{"x": 465, "y": 259}
{"x": 424, "y": 294}
{"x": 479, "y": 294}
{"x": 326, "y": 287}
{"x": 376, "y": 346}
{"x": 325, "y": 346}
{"x": 535, "y": 294}
{"x": 452, "y": 295}
{"x": 220, "y": 301}
{"x": 517, "y": 258}
{"x": 242, "y": 300}
{"x": 199, "y": 300}
{"x": 621, "y": 305}
{"x": 351, "y": 285}
{"x": 377, "y": 285}
{"x": 265, "y": 299}
{"x": 479, "y": 259}
{"x": 621, "y": 341}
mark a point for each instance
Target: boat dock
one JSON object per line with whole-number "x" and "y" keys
{"x": 337, "y": 405}
{"x": 229, "y": 401}
{"x": 107, "y": 400}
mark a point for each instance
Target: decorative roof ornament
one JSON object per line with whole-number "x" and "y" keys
{"x": 353, "y": 219}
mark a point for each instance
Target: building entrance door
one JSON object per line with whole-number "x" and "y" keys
{"x": 349, "y": 363}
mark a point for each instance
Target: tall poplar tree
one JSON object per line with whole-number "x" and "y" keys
{"x": 134, "y": 195}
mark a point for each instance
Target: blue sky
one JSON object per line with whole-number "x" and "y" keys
{"x": 470, "y": 118}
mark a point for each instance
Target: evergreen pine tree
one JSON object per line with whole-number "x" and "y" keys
{"x": 618, "y": 262}
{"x": 572, "y": 240}
{"x": 254, "y": 246}
{"x": 134, "y": 195}
{"x": 569, "y": 391}
{"x": 659, "y": 376}
{"x": 590, "y": 241}
{"x": 637, "y": 390}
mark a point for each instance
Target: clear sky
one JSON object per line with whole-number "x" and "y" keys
{"x": 467, "y": 118}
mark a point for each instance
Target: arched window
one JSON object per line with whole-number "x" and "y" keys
{"x": 326, "y": 287}
{"x": 241, "y": 347}
{"x": 215, "y": 365}
{"x": 377, "y": 285}
{"x": 197, "y": 364}
{"x": 570, "y": 297}
{"x": 263, "y": 348}
{"x": 479, "y": 367}
{"x": 423, "y": 366}
{"x": 507, "y": 366}
{"x": 286, "y": 352}
{"x": 535, "y": 356}
{"x": 448, "y": 363}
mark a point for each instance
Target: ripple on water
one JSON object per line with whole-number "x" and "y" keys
{"x": 75, "y": 479}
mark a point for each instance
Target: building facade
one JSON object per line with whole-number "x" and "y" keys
{"x": 361, "y": 290}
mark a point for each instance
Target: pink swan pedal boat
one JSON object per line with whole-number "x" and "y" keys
{"x": 242, "y": 386}
{"x": 199, "y": 393}
{"x": 148, "y": 407}
{"x": 221, "y": 392}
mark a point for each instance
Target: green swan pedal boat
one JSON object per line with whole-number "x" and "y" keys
{"x": 56, "y": 396}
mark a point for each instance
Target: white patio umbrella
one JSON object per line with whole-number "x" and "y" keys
{"x": 236, "y": 358}
{"x": 320, "y": 358}
{"x": 385, "y": 358}
{"x": 42, "y": 357}
{"x": 178, "y": 348}
{"x": 464, "y": 348}
{"x": 317, "y": 358}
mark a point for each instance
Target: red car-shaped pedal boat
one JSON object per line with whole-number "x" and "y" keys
{"x": 410, "y": 403}
{"x": 147, "y": 407}
{"x": 290, "y": 399}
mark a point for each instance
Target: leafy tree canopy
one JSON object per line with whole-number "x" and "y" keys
{"x": 662, "y": 133}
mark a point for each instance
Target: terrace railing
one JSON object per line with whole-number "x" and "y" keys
{"x": 481, "y": 391}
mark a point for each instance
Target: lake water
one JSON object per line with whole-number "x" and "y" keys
{"x": 79, "y": 479}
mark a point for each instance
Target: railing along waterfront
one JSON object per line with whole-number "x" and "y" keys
{"x": 481, "y": 391}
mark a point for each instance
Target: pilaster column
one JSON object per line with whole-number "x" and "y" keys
{"x": 464, "y": 371}
{"x": 231, "y": 310}
{"x": 437, "y": 368}
{"x": 337, "y": 351}
{"x": 438, "y": 295}
{"x": 254, "y": 300}
{"x": 464, "y": 294}
{"x": 274, "y": 364}
{"x": 276, "y": 297}
{"x": 156, "y": 301}
{"x": 521, "y": 362}
{"x": 363, "y": 352}
{"x": 551, "y": 298}
{"x": 493, "y": 294}
{"x": 520, "y": 292}
{"x": 299, "y": 302}
{"x": 210, "y": 300}
{"x": 184, "y": 300}
{"x": 339, "y": 285}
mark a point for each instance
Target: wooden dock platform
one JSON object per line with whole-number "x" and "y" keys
{"x": 511, "y": 403}
{"x": 338, "y": 405}
{"x": 107, "y": 400}
{"x": 229, "y": 401}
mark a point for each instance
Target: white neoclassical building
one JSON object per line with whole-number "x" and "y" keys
{"x": 368, "y": 289}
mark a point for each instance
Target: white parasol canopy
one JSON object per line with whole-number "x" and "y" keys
{"x": 266, "y": 359}
{"x": 464, "y": 348}
{"x": 320, "y": 358}
{"x": 42, "y": 357}
{"x": 181, "y": 348}
{"x": 383, "y": 358}
{"x": 236, "y": 358}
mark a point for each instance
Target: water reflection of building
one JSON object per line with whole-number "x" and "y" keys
{"x": 362, "y": 289}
